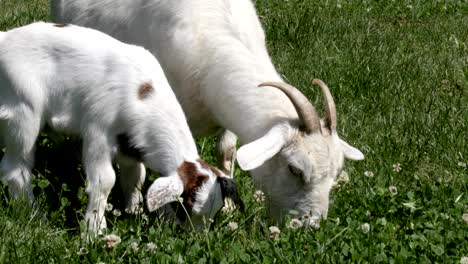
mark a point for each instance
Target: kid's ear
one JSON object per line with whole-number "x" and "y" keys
{"x": 163, "y": 191}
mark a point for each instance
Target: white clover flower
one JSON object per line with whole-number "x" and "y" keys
{"x": 274, "y": 232}
{"x": 368, "y": 213}
{"x": 365, "y": 228}
{"x": 294, "y": 224}
{"x": 465, "y": 218}
{"x": 109, "y": 207}
{"x": 116, "y": 212}
{"x": 259, "y": 196}
{"x": 397, "y": 167}
{"x": 83, "y": 251}
{"x": 233, "y": 226}
{"x": 111, "y": 240}
{"x": 393, "y": 190}
{"x": 151, "y": 247}
{"x": 461, "y": 164}
{"x": 134, "y": 246}
{"x": 464, "y": 260}
{"x": 369, "y": 174}
{"x": 343, "y": 178}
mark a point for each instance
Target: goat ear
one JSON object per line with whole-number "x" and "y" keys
{"x": 163, "y": 191}
{"x": 229, "y": 190}
{"x": 254, "y": 154}
{"x": 351, "y": 152}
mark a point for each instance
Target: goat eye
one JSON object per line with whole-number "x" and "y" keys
{"x": 294, "y": 170}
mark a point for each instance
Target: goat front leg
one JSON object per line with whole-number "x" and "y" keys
{"x": 226, "y": 151}
{"x": 132, "y": 177}
{"x": 100, "y": 177}
{"x": 226, "y": 154}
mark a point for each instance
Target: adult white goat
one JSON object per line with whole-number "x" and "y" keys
{"x": 116, "y": 97}
{"x": 214, "y": 55}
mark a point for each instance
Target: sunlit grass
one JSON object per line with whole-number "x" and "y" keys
{"x": 397, "y": 71}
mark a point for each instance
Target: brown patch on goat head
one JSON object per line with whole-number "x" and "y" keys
{"x": 193, "y": 179}
{"x": 61, "y": 25}
{"x": 207, "y": 166}
{"x": 144, "y": 90}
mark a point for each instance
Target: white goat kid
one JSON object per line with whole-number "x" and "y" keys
{"x": 214, "y": 56}
{"x": 116, "y": 97}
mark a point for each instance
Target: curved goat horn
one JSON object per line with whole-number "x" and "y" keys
{"x": 304, "y": 108}
{"x": 330, "y": 109}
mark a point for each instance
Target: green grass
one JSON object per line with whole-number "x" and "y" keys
{"x": 398, "y": 72}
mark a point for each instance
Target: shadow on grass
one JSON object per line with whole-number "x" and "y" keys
{"x": 59, "y": 183}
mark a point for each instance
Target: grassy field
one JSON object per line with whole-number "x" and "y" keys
{"x": 398, "y": 72}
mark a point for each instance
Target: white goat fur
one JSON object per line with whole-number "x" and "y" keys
{"x": 214, "y": 55}
{"x": 83, "y": 82}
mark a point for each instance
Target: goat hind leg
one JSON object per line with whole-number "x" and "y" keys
{"x": 132, "y": 177}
